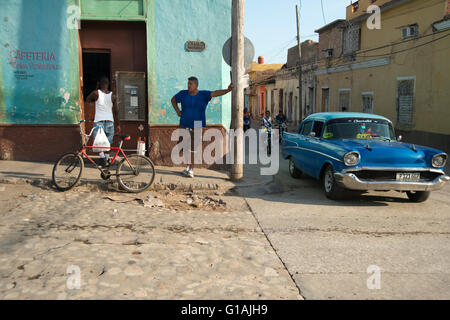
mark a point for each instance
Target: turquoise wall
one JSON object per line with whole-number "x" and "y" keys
{"x": 38, "y": 68}
{"x": 176, "y": 22}
{"x": 51, "y": 95}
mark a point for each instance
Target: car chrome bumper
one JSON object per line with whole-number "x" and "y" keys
{"x": 352, "y": 182}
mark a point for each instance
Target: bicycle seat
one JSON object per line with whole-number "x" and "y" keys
{"x": 123, "y": 137}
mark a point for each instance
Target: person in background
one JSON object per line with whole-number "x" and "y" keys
{"x": 266, "y": 121}
{"x": 247, "y": 119}
{"x": 266, "y": 134}
{"x": 193, "y": 109}
{"x": 308, "y": 111}
{"x": 281, "y": 123}
{"x": 106, "y": 114}
{"x": 280, "y": 118}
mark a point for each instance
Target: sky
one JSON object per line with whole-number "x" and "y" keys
{"x": 271, "y": 25}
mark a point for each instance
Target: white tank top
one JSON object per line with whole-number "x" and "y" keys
{"x": 103, "y": 107}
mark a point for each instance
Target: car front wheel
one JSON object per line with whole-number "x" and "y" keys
{"x": 418, "y": 196}
{"x": 332, "y": 189}
{"x": 294, "y": 172}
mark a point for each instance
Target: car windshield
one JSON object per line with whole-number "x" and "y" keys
{"x": 359, "y": 128}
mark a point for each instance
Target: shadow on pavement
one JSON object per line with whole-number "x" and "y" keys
{"x": 306, "y": 190}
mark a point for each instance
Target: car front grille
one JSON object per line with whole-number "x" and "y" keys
{"x": 378, "y": 175}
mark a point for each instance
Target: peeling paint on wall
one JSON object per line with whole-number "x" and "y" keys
{"x": 151, "y": 57}
{"x": 35, "y": 63}
{"x": 207, "y": 21}
{"x": 30, "y": 86}
{"x": 2, "y": 98}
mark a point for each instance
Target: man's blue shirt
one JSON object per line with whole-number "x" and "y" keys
{"x": 193, "y": 107}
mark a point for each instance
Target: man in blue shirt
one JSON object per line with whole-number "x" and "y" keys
{"x": 193, "y": 109}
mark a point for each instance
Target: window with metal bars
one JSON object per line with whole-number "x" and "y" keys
{"x": 405, "y": 101}
{"x": 367, "y": 103}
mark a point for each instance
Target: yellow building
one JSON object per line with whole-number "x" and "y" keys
{"x": 400, "y": 70}
{"x": 259, "y": 74}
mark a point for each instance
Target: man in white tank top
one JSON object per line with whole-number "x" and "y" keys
{"x": 106, "y": 114}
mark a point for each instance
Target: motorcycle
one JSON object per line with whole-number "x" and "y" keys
{"x": 283, "y": 128}
{"x": 267, "y": 131}
{"x": 268, "y": 139}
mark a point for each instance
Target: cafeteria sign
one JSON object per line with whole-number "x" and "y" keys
{"x": 195, "y": 46}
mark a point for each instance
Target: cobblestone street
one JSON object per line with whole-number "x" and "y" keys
{"x": 129, "y": 251}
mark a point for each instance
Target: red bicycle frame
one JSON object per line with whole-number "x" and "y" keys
{"x": 118, "y": 150}
{"x": 82, "y": 152}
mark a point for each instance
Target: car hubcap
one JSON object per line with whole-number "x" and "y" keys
{"x": 328, "y": 181}
{"x": 291, "y": 166}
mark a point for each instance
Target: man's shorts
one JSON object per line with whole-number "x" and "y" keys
{"x": 108, "y": 127}
{"x": 191, "y": 133}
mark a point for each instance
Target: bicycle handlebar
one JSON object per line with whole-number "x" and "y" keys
{"x": 82, "y": 133}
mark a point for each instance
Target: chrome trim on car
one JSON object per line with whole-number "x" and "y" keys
{"x": 395, "y": 169}
{"x": 352, "y": 182}
{"x": 354, "y": 152}
{"x": 440, "y": 154}
{"x": 324, "y": 154}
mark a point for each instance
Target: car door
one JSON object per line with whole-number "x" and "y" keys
{"x": 303, "y": 153}
{"x": 318, "y": 149}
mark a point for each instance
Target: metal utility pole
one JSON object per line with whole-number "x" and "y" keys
{"x": 300, "y": 99}
{"x": 237, "y": 169}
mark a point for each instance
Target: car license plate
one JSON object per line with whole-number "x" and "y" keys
{"x": 408, "y": 177}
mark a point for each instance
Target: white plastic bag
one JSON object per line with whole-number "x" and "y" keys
{"x": 141, "y": 148}
{"x": 101, "y": 140}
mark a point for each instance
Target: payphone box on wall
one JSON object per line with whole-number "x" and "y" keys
{"x": 131, "y": 95}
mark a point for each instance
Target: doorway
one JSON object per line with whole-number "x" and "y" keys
{"x": 291, "y": 96}
{"x": 96, "y": 64}
{"x": 272, "y": 102}
{"x": 280, "y": 101}
{"x": 325, "y": 99}
{"x": 312, "y": 105}
{"x": 111, "y": 48}
{"x": 262, "y": 105}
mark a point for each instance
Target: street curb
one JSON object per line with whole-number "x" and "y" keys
{"x": 105, "y": 185}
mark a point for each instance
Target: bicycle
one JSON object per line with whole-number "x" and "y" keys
{"x": 135, "y": 173}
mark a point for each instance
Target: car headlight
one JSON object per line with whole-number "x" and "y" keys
{"x": 351, "y": 158}
{"x": 439, "y": 160}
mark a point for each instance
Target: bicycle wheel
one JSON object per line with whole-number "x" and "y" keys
{"x": 137, "y": 174}
{"x": 67, "y": 171}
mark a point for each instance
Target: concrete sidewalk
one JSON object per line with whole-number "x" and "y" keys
{"x": 40, "y": 173}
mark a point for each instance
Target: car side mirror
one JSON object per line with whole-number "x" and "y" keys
{"x": 312, "y": 134}
{"x": 399, "y": 138}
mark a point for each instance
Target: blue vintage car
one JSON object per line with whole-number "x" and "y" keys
{"x": 359, "y": 151}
